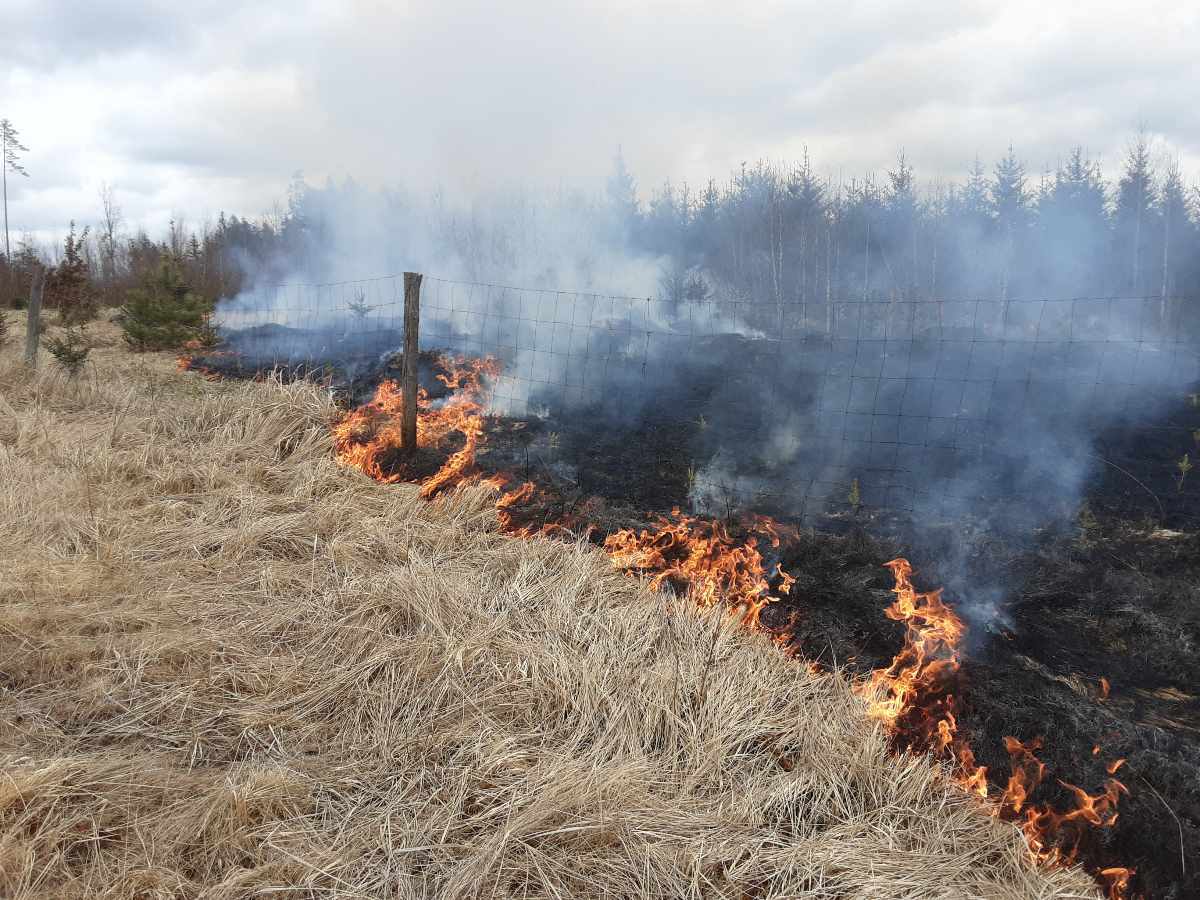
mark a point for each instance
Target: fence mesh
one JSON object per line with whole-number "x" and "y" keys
{"x": 808, "y": 408}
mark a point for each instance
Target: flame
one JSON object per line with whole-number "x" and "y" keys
{"x": 915, "y": 698}
{"x": 369, "y": 439}
{"x": 916, "y": 695}
{"x": 187, "y": 363}
{"x": 509, "y": 499}
{"x": 1116, "y": 879}
{"x": 702, "y": 556}
{"x": 1027, "y": 772}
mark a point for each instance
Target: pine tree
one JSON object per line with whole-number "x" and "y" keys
{"x": 805, "y": 214}
{"x": 1073, "y": 227}
{"x": 902, "y": 211}
{"x": 1134, "y": 218}
{"x": 1009, "y": 193}
{"x": 974, "y": 196}
{"x": 706, "y": 223}
{"x": 967, "y": 226}
{"x": 69, "y": 285}
{"x": 666, "y": 222}
{"x": 1010, "y": 204}
{"x": 621, "y": 192}
{"x": 1179, "y": 237}
{"x": 163, "y": 312}
{"x": 70, "y": 349}
{"x": 10, "y": 161}
{"x": 860, "y": 218}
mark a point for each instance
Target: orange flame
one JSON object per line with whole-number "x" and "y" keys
{"x": 1027, "y": 772}
{"x": 702, "y": 556}
{"x": 187, "y": 363}
{"x": 1116, "y": 879}
{"x": 915, "y": 698}
{"x": 369, "y": 439}
{"x": 915, "y": 695}
{"x": 509, "y": 499}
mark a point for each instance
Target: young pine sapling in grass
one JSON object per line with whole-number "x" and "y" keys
{"x": 358, "y": 306}
{"x": 1184, "y": 466}
{"x": 69, "y": 286}
{"x": 163, "y": 312}
{"x": 854, "y": 498}
{"x": 70, "y": 350}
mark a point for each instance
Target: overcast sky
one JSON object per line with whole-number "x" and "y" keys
{"x": 191, "y": 108}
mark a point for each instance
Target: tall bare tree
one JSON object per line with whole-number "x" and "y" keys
{"x": 110, "y": 224}
{"x": 10, "y": 160}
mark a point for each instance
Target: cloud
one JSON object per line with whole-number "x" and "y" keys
{"x": 48, "y": 35}
{"x": 208, "y": 106}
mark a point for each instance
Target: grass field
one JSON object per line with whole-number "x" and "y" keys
{"x": 230, "y": 668}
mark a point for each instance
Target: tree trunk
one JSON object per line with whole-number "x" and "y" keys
{"x": 4, "y": 177}
{"x": 1162, "y": 313}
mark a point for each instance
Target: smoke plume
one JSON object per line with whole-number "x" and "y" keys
{"x": 823, "y": 367}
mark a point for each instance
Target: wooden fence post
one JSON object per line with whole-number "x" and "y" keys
{"x": 34, "y": 321}
{"x": 412, "y": 317}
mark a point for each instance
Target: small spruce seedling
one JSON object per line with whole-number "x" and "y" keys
{"x": 358, "y": 306}
{"x": 70, "y": 351}
{"x": 1184, "y": 466}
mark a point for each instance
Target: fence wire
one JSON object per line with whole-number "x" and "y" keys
{"x": 807, "y": 409}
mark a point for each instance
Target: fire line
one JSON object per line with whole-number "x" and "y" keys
{"x": 916, "y": 697}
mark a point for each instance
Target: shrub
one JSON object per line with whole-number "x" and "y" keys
{"x": 70, "y": 351}
{"x": 163, "y": 313}
{"x": 68, "y": 286}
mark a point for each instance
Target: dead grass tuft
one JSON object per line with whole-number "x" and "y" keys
{"x": 230, "y": 668}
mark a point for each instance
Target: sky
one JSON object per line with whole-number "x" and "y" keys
{"x": 189, "y": 109}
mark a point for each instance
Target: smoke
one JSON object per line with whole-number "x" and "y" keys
{"x": 972, "y": 419}
{"x": 991, "y": 422}
{"x": 550, "y": 283}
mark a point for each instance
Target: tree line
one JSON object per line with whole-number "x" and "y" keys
{"x": 213, "y": 261}
{"x": 770, "y": 234}
{"x": 784, "y": 234}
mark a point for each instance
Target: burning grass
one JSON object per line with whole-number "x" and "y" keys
{"x": 916, "y": 696}
{"x": 232, "y": 667}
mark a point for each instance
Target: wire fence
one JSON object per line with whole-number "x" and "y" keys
{"x": 1016, "y": 407}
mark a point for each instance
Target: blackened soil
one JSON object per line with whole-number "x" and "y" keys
{"x": 1118, "y": 602}
{"x": 353, "y": 372}
{"x": 1108, "y": 600}
{"x": 421, "y": 464}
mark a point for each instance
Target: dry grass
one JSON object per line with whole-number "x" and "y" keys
{"x": 229, "y": 668}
